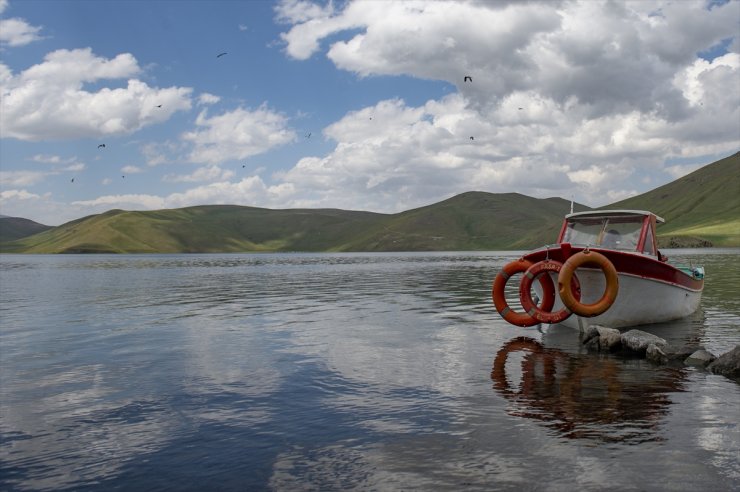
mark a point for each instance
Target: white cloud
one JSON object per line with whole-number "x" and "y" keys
{"x": 398, "y": 157}
{"x": 17, "y": 32}
{"x": 22, "y": 203}
{"x": 247, "y": 191}
{"x": 410, "y": 156}
{"x": 131, "y": 169}
{"x": 300, "y": 11}
{"x": 713, "y": 91}
{"x": 57, "y": 163}
{"x": 12, "y": 179}
{"x": 16, "y": 194}
{"x": 579, "y": 98}
{"x": 567, "y": 97}
{"x": 49, "y": 101}
{"x": 76, "y": 167}
{"x": 237, "y": 134}
{"x": 48, "y": 159}
{"x": 609, "y": 57}
{"x": 205, "y": 99}
{"x": 202, "y": 174}
{"x": 21, "y": 178}
{"x": 128, "y": 201}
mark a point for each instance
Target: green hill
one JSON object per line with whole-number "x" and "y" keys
{"x": 204, "y": 229}
{"x": 701, "y": 208}
{"x": 471, "y": 221}
{"x": 467, "y": 222}
{"x": 12, "y": 228}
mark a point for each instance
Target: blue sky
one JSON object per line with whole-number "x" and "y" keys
{"x": 358, "y": 105}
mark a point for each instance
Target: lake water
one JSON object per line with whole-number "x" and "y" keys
{"x": 340, "y": 372}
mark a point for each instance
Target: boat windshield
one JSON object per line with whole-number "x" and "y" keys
{"x": 622, "y": 232}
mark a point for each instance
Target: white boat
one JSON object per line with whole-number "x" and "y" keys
{"x": 605, "y": 269}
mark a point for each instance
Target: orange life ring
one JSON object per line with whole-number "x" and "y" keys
{"x": 499, "y": 299}
{"x": 567, "y": 272}
{"x": 525, "y": 292}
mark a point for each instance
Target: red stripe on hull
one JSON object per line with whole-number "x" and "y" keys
{"x": 629, "y": 263}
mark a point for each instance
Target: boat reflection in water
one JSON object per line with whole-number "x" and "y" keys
{"x": 585, "y": 396}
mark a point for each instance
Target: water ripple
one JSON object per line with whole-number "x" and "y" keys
{"x": 327, "y": 372}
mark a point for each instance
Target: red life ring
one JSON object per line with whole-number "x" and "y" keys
{"x": 567, "y": 273}
{"x": 525, "y": 292}
{"x": 499, "y": 299}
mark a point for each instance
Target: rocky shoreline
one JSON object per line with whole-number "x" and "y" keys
{"x": 657, "y": 350}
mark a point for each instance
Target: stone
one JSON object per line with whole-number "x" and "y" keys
{"x": 700, "y": 358}
{"x": 727, "y": 364}
{"x": 591, "y": 333}
{"x": 592, "y": 345}
{"x": 655, "y": 354}
{"x": 602, "y": 338}
{"x": 610, "y": 339}
{"x": 679, "y": 354}
{"x": 638, "y": 341}
{"x": 669, "y": 354}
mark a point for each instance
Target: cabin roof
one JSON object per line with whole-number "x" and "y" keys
{"x": 614, "y": 213}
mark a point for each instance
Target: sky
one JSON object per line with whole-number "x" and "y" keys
{"x": 372, "y": 105}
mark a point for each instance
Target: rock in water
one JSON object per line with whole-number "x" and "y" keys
{"x": 727, "y": 364}
{"x": 700, "y": 358}
{"x": 610, "y": 339}
{"x": 655, "y": 354}
{"x": 638, "y": 340}
{"x": 602, "y": 338}
{"x": 590, "y": 333}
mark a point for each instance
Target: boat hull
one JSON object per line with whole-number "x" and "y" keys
{"x": 650, "y": 291}
{"x": 639, "y": 301}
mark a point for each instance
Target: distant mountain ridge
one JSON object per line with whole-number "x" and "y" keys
{"x": 702, "y": 208}
{"x": 470, "y": 221}
{"x": 12, "y": 228}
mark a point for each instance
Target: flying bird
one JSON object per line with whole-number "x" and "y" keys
{"x": 221, "y": 54}
{"x": 468, "y": 78}
{"x": 471, "y": 138}
{"x": 159, "y": 105}
{"x": 308, "y": 135}
{"x": 521, "y": 109}
{"x": 72, "y": 180}
{"x": 101, "y": 146}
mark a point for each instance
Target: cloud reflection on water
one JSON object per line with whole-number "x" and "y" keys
{"x": 315, "y": 372}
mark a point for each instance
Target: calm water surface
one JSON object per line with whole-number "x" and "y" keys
{"x": 339, "y": 372}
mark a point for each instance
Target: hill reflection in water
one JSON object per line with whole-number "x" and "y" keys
{"x": 584, "y": 396}
{"x": 340, "y": 372}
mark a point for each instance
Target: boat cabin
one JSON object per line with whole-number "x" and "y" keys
{"x": 625, "y": 230}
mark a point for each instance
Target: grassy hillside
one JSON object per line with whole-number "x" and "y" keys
{"x": 12, "y": 228}
{"x": 471, "y": 221}
{"x": 204, "y": 229}
{"x": 701, "y": 206}
{"x": 467, "y": 222}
